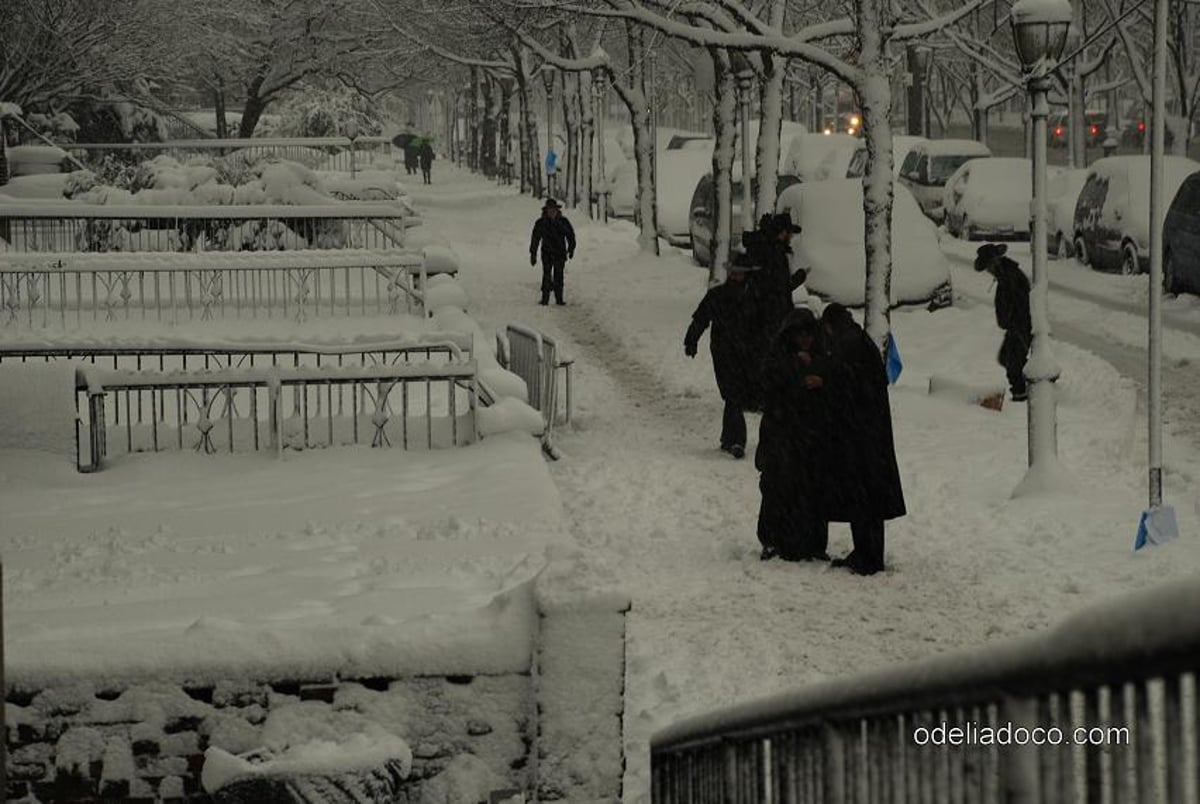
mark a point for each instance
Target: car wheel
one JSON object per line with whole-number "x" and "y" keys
{"x": 1062, "y": 247}
{"x": 1081, "y": 254}
{"x": 1129, "y": 261}
{"x": 1170, "y": 276}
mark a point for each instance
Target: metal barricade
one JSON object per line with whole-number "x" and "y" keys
{"x": 534, "y": 357}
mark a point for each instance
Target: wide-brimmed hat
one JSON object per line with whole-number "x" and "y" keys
{"x": 551, "y": 204}
{"x": 782, "y": 222}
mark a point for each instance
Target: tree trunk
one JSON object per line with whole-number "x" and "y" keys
{"x": 219, "y": 104}
{"x": 874, "y": 91}
{"x": 725, "y": 128}
{"x": 587, "y": 124}
{"x": 487, "y": 139}
{"x": 634, "y": 97}
{"x": 571, "y": 123}
{"x": 771, "y": 117}
{"x": 253, "y": 109}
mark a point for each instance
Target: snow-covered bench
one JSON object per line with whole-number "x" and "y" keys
{"x": 61, "y": 289}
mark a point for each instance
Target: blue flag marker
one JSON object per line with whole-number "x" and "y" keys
{"x": 894, "y": 364}
{"x": 1157, "y": 526}
{"x": 551, "y": 161}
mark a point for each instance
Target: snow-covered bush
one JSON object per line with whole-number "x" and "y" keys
{"x": 324, "y": 113}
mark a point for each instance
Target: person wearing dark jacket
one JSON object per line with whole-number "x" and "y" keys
{"x": 864, "y": 479}
{"x": 737, "y": 345}
{"x": 1012, "y": 313}
{"x": 769, "y": 248}
{"x": 794, "y": 443}
{"x": 557, "y": 238}
{"x": 425, "y": 157}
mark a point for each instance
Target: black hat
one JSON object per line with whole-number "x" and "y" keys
{"x": 551, "y": 204}
{"x": 836, "y": 316}
{"x": 782, "y": 222}
{"x": 989, "y": 253}
{"x": 800, "y": 319}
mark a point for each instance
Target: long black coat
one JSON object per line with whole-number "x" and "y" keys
{"x": 1012, "y": 313}
{"x": 738, "y": 341}
{"x": 774, "y": 281}
{"x": 794, "y": 435}
{"x": 864, "y": 477}
{"x": 556, "y": 236}
{"x": 425, "y": 155}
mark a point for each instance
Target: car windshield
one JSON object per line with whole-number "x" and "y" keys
{"x": 942, "y": 168}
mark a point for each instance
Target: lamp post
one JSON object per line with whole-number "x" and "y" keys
{"x": 1040, "y": 33}
{"x": 600, "y": 92}
{"x": 548, "y": 79}
{"x": 744, "y": 74}
{"x": 1158, "y": 126}
{"x": 651, "y": 93}
{"x": 351, "y": 131}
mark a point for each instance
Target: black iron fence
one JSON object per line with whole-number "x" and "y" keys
{"x": 76, "y": 227}
{"x": 1103, "y": 708}
{"x": 47, "y": 289}
{"x": 425, "y": 405}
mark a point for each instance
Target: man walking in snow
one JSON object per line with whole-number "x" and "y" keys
{"x": 863, "y": 485}
{"x": 1012, "y": 313}
{"x": 557, "y": 238}
{"x": 425, "y": 156}
{"x": 738, "y": 347}
{"x": 769, "y": 248}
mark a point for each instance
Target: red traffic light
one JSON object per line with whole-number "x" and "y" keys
{"x": 1058, "y": 132}
{"x": 1141, "y": 125}
{"x": 1095, "y": 130}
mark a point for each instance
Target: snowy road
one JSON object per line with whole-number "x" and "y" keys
{"x": 652, "y": 502}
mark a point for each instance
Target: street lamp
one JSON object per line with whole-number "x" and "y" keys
{"x": 600, "y": 92}
{"x": 1040, "y": 33}
{"x": 744, "y": 73}
{"x": 548, "y": 79}
{"x": 350, "y": 129}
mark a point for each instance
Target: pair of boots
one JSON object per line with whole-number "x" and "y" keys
{"x": 546, "y": 300}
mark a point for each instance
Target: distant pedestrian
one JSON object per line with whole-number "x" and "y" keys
{"x": 738, "y": 348}
{"x": 1012, "y": 313}
{"x": 425, "y": 156}
{"x": 557, "y": 239}
{"x": 864, "y": 479}
{"x": 793, "y": 452}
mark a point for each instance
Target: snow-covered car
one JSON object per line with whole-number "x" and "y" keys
{"x": 1112, "y": 216}
{"x": 679, "y": 171}
{"x": 902, "y": 144}
{"x": 831, "y": 245}
{"x": 930, "y": 164}
{"x": 806, "y": 153}
{"x": 989, "y": 198}
{"x": 1181, "y": 239}
{"x": 700, "y": 228}
{"x": 843, "y": 162}
{"x": 1062, "y": 193}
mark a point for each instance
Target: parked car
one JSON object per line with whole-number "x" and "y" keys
{"x": 805, "y": 154}
{"x": 679, "y": 171}
{"x": 847, "y": 161}
{"x": 989, "y": 198}
{"x": 831, "y": 245}
{"x": 1059, "y": 127}
{"x": 902, "y": 145}
{"x": 1112, "y": 216}
{"x": 1181, "y": 239}
{"x": 1062, "y": 192}
{"x": 704, "y": 202}
{"x": 1135, "y": 132}
{"x": 930, "y": 164}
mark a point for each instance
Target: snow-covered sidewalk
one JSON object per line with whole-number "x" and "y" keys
{"x": 652, "y": 501}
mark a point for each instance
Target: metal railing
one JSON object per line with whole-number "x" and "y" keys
{"x": 328, "y": 153}
{"x": 68, "y": 226}
{"x": 534, "y": 357}
{"x": 1128, "y": 668}
{"x": 251, "y": 409}
{"x": 43, "y": 289}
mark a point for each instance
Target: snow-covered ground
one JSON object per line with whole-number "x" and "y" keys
{"x": 649, "y": 496}
{"x": 644, "y": 493}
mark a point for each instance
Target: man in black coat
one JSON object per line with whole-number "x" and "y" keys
{"x": 864, "y": 478}
{"x": 794, "y": 443}
{"x": 557, "y": 238}
{"x": 425, "y": 156}
{"x": 738, "y": 343}
{"x": 769, "y": 248}
{"x": 1012, "y": 313}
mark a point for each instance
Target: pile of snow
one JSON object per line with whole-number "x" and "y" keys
{"x": 440, "y": 259}
{"x": 365, "y": 185}
{"x": 36, "y": 160}
{"x": 443, "y": 292}
{"x": 831, "y": 244}
{"x": 40, "y": 187}
{"x": 806, "y": 152}
{"x": 37, "y": 407}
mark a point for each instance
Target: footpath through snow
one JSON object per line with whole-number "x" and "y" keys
{"x": 651, "y": 500}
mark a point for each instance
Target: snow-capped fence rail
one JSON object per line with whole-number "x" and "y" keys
{"x": 534, "y": 357}
{"x": 76, "y": 227}
{"x": 243, "y": 410}
{"x": 329, "y": 153}
{"x": 65, "y": 289}
{"x": 1118, "y": 681}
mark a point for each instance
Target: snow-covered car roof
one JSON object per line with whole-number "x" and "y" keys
{"x": 952, "y": 148}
